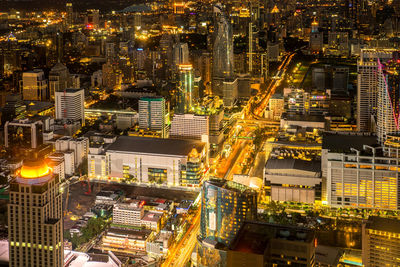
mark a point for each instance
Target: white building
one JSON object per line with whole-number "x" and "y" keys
{"x": 293, "y": 179}
{"x": 79, "y": 146}
{"x": 70, "y": 105}
{"x": 34, "y": 85}
{"x": 152, "y": 113}
{"x": 388, "y": 100}
{"x": 149, "y": 160}
{"x": 152, "y": 220}
{"x": 367, "y": 84}
{"x": 189, "y": 126}
{"x": 276, "y": 106}
{"x": 68, "y": 158}
{"x": 58, "y": 166}
{"x": 362, "y": 179}
{"x": 128, "y": 214}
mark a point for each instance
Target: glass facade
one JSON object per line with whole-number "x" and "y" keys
{"x": 225, "y": 206}
{"x": 158, "y": 176}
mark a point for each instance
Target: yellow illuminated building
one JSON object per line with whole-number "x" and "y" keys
{"x": 364, "y": 179}
{"x": 35, "y": 223}
{"x": 381, "y": 242}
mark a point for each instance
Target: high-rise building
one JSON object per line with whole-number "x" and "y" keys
{"x": 388, "y": 111}
{"x": 34, "y": 85}
{"x": 223, "y": 61}
{"x": 152, "y": 114}
{"x": 92, "y": 19}
{"x": 180, "y": 54}
{"x": 381, "y": 242}
{"x": 225, "y": 205}
{"x": 185, "y": 89}
{"x": 35, "y": 224}
{"x": 362, "y": 179}
{"x": 70, "y": 13}
{"x": 367, "y": 84}
{"x": 316, "y": 38}
{"x": 189, "y": 126}
{"x": 70, "y": 105}
{"x": 59, "y": 79}
{"x": 79, "y": 147}
{"x": 128, "y": 214}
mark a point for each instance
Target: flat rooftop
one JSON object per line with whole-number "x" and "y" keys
{"x": 147, "y": 145}
{"x": 254, "y": 237}
{"x": 294, "y": 164}
{"x": 383, "y": 224}
{"x": 343, "y": 142}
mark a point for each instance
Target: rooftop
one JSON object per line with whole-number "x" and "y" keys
{"x": 148, "y": 145}
{"x": 253, "y": 237}
{"x": 343, "y": 142}
{"x": 383, "y": 224}
{"x": 294, "y": 164}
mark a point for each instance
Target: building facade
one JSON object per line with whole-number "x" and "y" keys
{"x": 152, "y": 114}
{"x": 224, "y": 208}
{"x": 362, "y": 179}
{"x": 149, "y": 161}
{"x": 388, "y": 99}
{"x": 189, "y": 126}
{"x": 70, "y": 105}
{"x": 367, "y": 85}
{"x": 381, "y": 242}
{"x": 36, "y": 233}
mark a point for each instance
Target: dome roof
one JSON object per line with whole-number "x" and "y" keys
{"x": 58, "y": 67}
{"x": 34, "y": 169}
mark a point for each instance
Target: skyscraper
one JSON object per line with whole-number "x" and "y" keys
{"x": 180, "y": 54}
{"x": 59, "y": 79}
{"x": 388, "y": 99}
{"x": 70, "y": 105}
{"x": 35, "y": 226}
{"x": 152, "y": 114}
{"x": 34, "y": 85}
{"x": 367, "y": 94}
{"x": 185, "y": 88}
{"x": 223, "y": 62}
{"x": 225, "y": 205}
{"x": 70, "y": 14}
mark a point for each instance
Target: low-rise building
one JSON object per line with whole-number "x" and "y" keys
{"x": 127, "y": 240}
{"x": 293, "y": 180}
{"x": 128, "y": 214}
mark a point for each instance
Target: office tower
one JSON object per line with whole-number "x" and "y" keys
{"x": 362, "y": 178}
{"x": 185, "y": 88}
{"x": 23, "y": 133}
{"x": 70, "y": 105}
{"x": 223, "y": 62}
{"x": 110, "y": 52}
{"x": 230, "y": 91}
{"x": 367, "y": 84}
{"x": 70, "y": 14}
{"x": 180, "y": 54}
{"x": 381, "y": 242}
{"x": 225, "y": 205}
{"x": 34, "y": 85}
{"x": 316, "y": 38}
{"x": 92, "y": 19}
{"x": 189, "y": 126}
{"x": 59, "y": 79}
{"x": 152, "y": 114}
{"x": 35, "y": 225}
{"x": 388, "y": 99}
